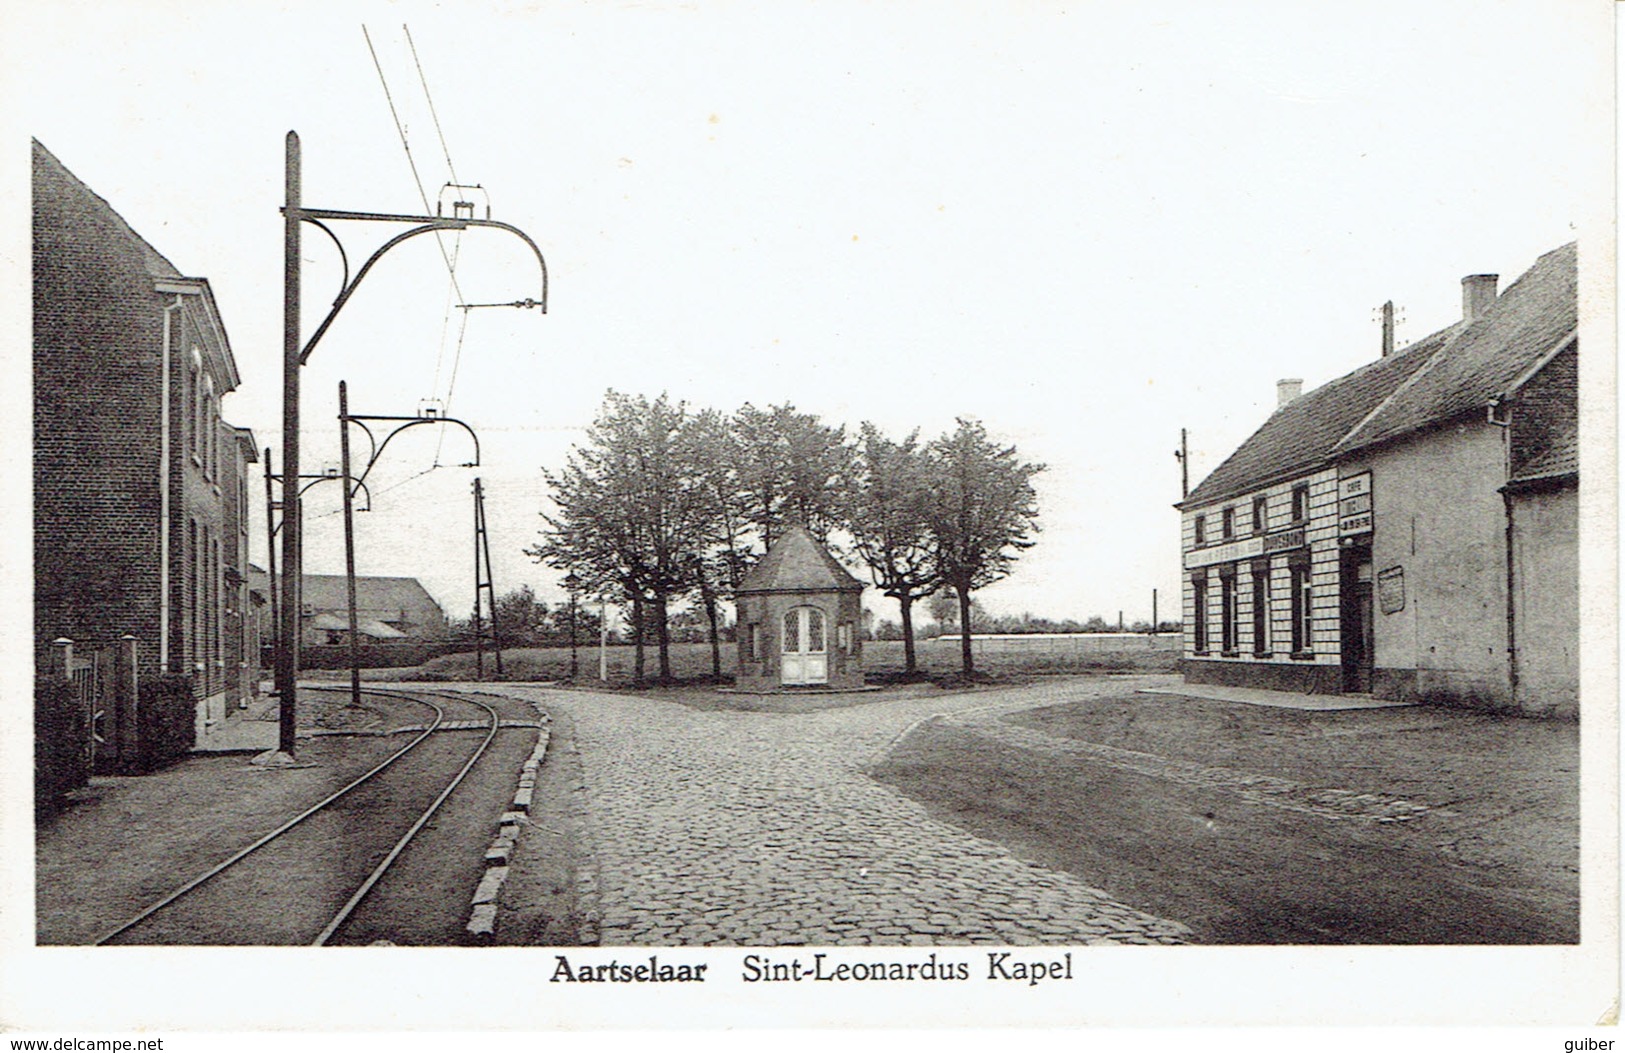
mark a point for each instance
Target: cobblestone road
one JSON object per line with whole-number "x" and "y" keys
{"x": 745, "y": 829}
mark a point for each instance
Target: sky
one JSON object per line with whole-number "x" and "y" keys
{"x": 1089, "y": 225}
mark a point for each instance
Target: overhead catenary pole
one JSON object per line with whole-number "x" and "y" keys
{"x": 1155, "y": 625}
{"x": 349, "y": 544}
{"x": 270, "y": 550}
{"x": 287, "y": 659}
{"x": 294, "y": 355}
{"x": 603, "y": 639}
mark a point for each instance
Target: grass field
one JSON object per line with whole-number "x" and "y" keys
{"x": 1000, "y": 658}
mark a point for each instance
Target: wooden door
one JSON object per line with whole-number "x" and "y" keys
{"x": 804, "y": 654}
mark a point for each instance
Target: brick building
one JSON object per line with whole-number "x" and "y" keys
{"x": 135, "y": 474}
{"x": 798, "y": 616}
{"x": 1410, "y": 529}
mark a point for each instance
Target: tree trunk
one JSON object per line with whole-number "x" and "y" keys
{"x": 905, "y": 604}
{"x": 637, "y": 638}
{"x": 710, "y": 601}
{"x": 663, "y": 636}
{"x": 964, "y": 631}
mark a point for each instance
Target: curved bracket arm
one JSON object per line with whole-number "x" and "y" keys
{"x": 372, "y": 441}
{"x": 344, "y": 257}
{"x": 414, "y": 422}
{"x": 449, "y": 224}
{"x": 360, "y": 485}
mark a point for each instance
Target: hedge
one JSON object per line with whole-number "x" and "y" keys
{"x": 168, "y": 728}
{"x": 62, "y": 755}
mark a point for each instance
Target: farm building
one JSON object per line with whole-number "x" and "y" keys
{"x": 139, "y": 524}
{"x": 387, "y": 609}
{"x": 798, "y": 615}
{"x": 1409, "y": 530}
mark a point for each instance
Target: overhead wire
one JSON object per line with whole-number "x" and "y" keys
{"x": 462, "y": 329}
{"x": 450, "y": 259}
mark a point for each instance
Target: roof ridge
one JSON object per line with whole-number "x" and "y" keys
{"x": 1433, "y": 359}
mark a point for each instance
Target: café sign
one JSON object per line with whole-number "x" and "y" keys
{"x": 1354, "y": 505}
{"x": 1246, "y": 548}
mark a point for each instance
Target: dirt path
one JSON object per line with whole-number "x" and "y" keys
{"x": 1257, "y": 825}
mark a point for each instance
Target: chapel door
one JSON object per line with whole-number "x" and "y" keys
{"x": 805, "y": 654}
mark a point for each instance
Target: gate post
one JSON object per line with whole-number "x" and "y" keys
{"x": 64, "y": 656}
{"x": 126, "y": 702}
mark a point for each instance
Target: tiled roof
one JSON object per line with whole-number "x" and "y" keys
{"x": 1299, "y": 436}
{"x": 1561, "y": 457}
{"x": 327, "y": 592}
{"x": 797, "y": 562}
{"x": 1457, "y": 369}
{"x": 1489, "y": 356}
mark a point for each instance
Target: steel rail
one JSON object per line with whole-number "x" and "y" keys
{"x": 239, "y": 856}
{"x": 400, "y": 846}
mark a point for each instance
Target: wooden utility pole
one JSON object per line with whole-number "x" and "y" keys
{"x": 1184, "y": 456}
{"x": 349, "y": 544}
{"x": 287, "y": 657}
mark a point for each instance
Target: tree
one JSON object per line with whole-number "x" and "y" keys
{"x": 983, "y": 514}
{"x": 790, "y": 470}
{"x": 888, "y": 511}
{"x": 943, "y": 606}
{"x": 631, "y": 511}
{"x": 517, "y": 617}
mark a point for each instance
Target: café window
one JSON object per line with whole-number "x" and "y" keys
{"x": 1201, "y": 531}
{"x": 1260, "y": 514}
{"x": 1227, "y": 524}
{"x": 1300, "y": 504}
{"x": 1229, "y": 610}
{"x": 1303, "y": 596}
{"x": 1199, "y": 614}
{"x": 1261, "y": 607}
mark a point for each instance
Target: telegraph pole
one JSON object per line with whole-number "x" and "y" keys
{"x": 479, "y": 633}
{"x": 484, "y": 580}
{"x": 1183, "y": 455}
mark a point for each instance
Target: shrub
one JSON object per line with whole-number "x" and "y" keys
{"x": 168, "y": 728}
{"x": 62, "y": 756}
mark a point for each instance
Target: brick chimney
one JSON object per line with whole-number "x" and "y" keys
{"x": 1287, "y": 390}
{"x": 1477, "y": 295}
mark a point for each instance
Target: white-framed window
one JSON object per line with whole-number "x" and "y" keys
{"x": 1261, "y": 607}
{"x": 1303, "y": 596}
{"x": 1199, "y": 614}
{"x": 1229, "y": 610}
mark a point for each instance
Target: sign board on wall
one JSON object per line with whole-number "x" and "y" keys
{"x": 1246, "y": 548}
{"x": 1243, "y": 549}
{"x": 1391, "y": 589}
{"x": 1354, "y": 505}
{"x": 1284, "y": 540}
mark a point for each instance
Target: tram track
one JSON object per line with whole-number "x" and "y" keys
{"x": 305, "y": 880}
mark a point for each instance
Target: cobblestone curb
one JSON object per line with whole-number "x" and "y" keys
{"x": 482, "y": 918}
